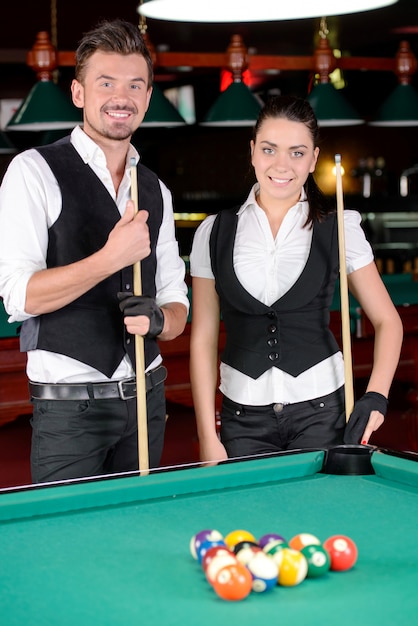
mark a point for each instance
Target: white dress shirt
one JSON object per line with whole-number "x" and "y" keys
{"x": 267, "y": 268}
{"x": 30, "y": 202}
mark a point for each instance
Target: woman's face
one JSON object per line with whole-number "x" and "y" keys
{"x": 283, "y": 155}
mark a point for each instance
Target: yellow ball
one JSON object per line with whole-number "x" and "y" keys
{"x": 293, "y": 567}
{"x": 236, "y": 536}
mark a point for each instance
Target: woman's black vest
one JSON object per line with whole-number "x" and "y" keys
{"x": 91, "y": 328}
{"x": 292, "y": 334}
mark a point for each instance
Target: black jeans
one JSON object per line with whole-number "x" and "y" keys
{"x": 74, "y": 439}
{"x": 250, "y": 430}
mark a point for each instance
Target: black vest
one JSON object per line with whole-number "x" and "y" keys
{"x": 291, "y": 334}
{"x": 91, "y": 328}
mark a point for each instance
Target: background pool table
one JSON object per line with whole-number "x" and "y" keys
{"x": 116, "y": 551}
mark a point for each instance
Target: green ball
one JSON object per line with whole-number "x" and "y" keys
{"x": 318, "y": 559}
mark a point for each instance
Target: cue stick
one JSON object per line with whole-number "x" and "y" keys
{"x": 141, "y": 393}
{"x": 345, "y": 308}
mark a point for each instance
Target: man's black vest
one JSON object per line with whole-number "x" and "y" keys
{"x": 292, "y": 334}
{"x": 91, "y": 328}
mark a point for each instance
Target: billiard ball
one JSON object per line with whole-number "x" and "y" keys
{"x": 200, "y": 537}
{"x": 247, "y": 552}
{"x": 264, "y": 572}
{"x": 207, "y": 545}
{"x": 233, "y": 582}
{"x": 303, "y": 539}
{"x": 212, "y": 553}
{"x": 236, "y": 536}
{"x": 342, "y": 551}
{"x": 293, "y": 567}
{"x": 217, "y": 563}
{"x": 265, "y": 539}
{"x": 241, "y": 545}
{"x": 274, "y": 547}
{"x": 318, "y": 560}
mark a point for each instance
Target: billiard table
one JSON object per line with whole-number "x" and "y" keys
{"x": 116, "y": 550}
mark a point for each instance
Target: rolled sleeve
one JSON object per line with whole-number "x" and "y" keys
{"x": 25, "y": 205}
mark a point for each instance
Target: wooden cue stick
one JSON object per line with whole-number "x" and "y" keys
{"x": 141, "y": 392}
{"x": 345, "y": 307}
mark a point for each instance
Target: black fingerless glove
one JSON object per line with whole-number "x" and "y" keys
{"x": 131, "y": 305}
{"x": 371, "y": 401}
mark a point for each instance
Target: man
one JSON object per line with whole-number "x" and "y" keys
{"x": 69, "y": 237}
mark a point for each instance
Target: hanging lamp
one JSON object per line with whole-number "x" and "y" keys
{"x": 329, "y": 105}
{"x": 401, "y": 107}
{"x": 237, "y": 105}
{"x": 46, "y": 107}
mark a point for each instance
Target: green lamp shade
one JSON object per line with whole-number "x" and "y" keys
{"x": 45, "y": 108}
{"x": 331, "y": 108}
{"x": 161, "y": 112}
{"x": 236, "y": 106}
{"x": 6, "y": 146}
{"x": 400, "y": 109}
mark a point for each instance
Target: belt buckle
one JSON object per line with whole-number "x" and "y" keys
{"x": 125, "y": 395}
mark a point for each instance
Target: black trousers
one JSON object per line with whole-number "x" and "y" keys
{"x": 249, "y": 430}
{"x": 74, "y": 439}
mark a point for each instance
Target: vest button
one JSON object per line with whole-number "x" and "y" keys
{"x": 271, "y": 315}
{"x": 272, "y": 342}
{"x": 272, "y": 328}
{"x": 278, "y": 407}
{"x": 273, "y": 356}
{"x": 128, "y": 340}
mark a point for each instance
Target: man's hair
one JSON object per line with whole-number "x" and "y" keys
{"x": 118, "y": 36}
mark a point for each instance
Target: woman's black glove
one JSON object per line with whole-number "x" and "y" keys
{"x": 131, "y": 305}
{"x": 371, "y": 401}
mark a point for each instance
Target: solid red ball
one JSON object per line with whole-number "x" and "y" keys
{"x": 342, "y": 551}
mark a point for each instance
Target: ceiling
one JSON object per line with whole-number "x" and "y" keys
{"x": 371, "y": 33}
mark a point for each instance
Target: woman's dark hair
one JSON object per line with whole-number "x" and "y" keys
{"x": 298, "y": 110}
{"x": 117, "y": 36}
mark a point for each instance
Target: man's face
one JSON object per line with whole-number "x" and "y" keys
{"x": 114, "y": 94}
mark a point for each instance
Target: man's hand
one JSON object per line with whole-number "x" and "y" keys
{"x": 141, "y": 307}
{"x": 129, "y": 240}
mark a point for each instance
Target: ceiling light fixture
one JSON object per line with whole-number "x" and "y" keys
{"x": 329, "y": 105}
{"x": 258, "y": 11}
{"x": 401, "y": 107}
{"x": 237, "y": 105}
{"x": 161, "y": 112}
{"x": 46, "y": 107}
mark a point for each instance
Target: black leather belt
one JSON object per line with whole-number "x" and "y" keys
{"x": 123, "y": 389}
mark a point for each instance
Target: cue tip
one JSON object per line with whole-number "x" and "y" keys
{"x": 133, "y": 162}
{"x": 338, "y": 158}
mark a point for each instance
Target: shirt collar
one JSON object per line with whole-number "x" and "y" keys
{"x": 90, "y": 152}
{"x": 301, "y": 205}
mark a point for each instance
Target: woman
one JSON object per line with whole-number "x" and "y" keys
{"x": 269, "y": 269}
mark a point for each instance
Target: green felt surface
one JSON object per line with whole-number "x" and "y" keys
{"x": 117, "y": 551}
